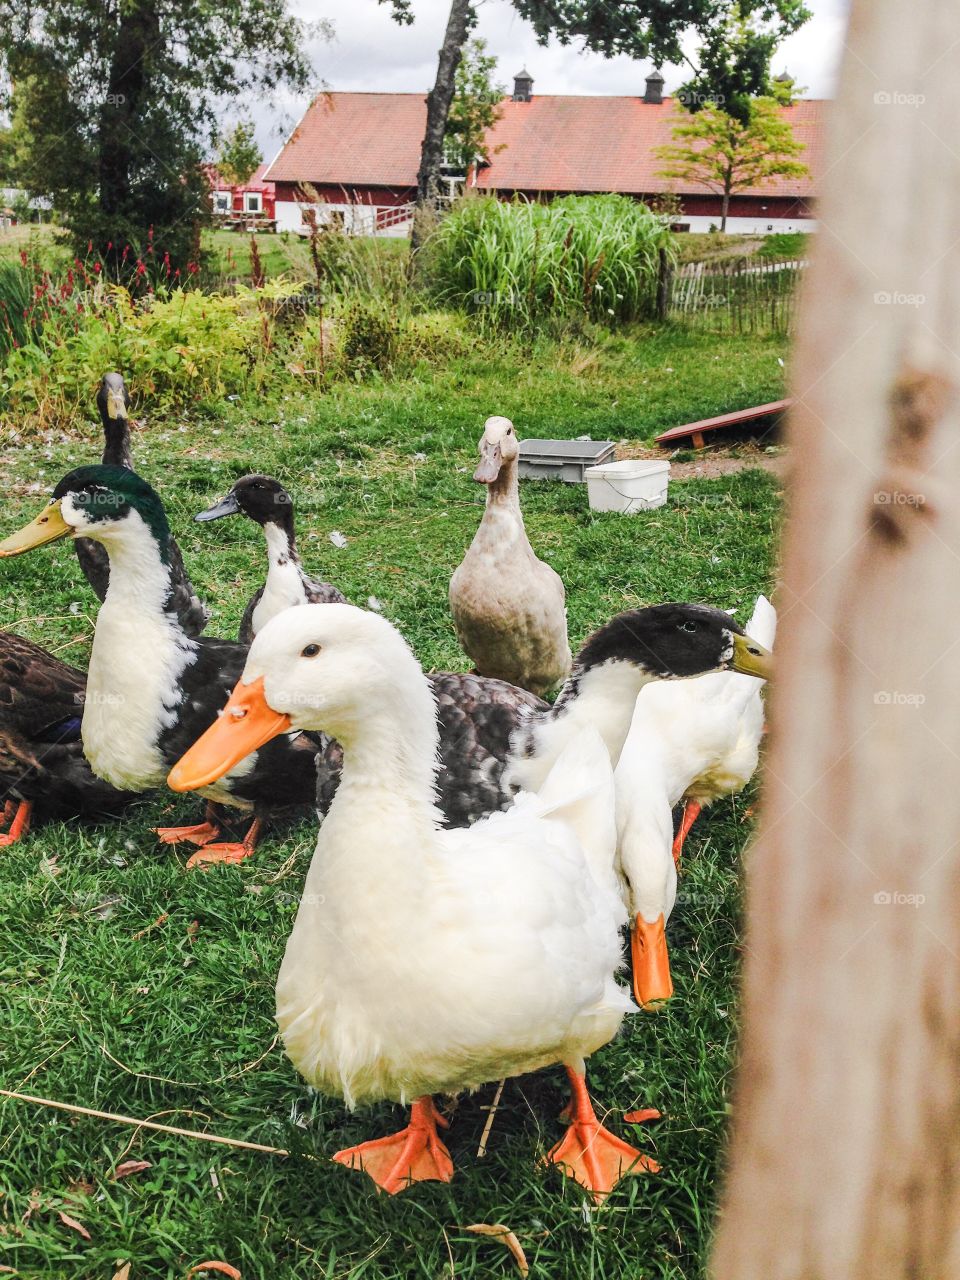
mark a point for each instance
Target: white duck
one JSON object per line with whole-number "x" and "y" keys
{"x": 425, "y": 960}
{"x": 508, "y": 607}
{"x": 695, "y": 740}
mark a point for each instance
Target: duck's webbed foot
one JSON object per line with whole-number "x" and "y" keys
{"x": 591, "y": 1154}
{"x": 415, "y": 1154}
{"x": 16, "y": 820}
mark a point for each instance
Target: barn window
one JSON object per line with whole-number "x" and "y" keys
{"x": 252, "y": 202}
{"x": 221, "y": 202}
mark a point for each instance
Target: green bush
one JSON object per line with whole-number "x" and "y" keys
{"x": 178, "y": 348}
{"x": 784, "y": 246}
{"x": 370, "y": 338}
{"x": 513, "y": 265}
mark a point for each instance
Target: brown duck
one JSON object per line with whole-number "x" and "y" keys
{"x": 508, "y": 607}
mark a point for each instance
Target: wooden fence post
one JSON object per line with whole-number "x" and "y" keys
{"x": 664, "y": 282}
{"x": 845, "y": 1158}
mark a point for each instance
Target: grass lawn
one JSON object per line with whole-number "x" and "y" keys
{"x": 132, "y": 987}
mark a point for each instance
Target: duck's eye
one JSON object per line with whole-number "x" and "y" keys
{"x": 688, "y": 626}
{"x": 310, "y": 651}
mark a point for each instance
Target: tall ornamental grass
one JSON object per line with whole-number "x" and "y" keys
{"x": 515, "y": 265}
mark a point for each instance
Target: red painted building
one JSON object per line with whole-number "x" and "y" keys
{"x": 248, "y": 201}
{"x": 357, "y": 154}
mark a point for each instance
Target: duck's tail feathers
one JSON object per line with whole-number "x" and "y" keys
{"x": 762, "y": 626}
{"x": 579, "y": 790}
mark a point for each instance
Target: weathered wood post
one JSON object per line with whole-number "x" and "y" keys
{"x": 845, "y": 1159}
{"x": 664, "y": 283}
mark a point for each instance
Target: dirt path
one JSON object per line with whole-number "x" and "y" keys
{"x": 711, "y": 462}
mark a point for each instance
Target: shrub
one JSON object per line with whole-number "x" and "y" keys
{"x": 784, "y": 246}
{"x": 512, "y": 265}
{"x": 370, "y": 338}
{"x": 178, "y": 348}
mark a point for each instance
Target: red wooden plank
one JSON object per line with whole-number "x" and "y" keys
{"x": 696, "y": 429}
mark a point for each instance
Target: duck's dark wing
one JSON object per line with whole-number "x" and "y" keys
{"x": 40, "y": 696}
{"x": 41, "y": 756}
{"x": 95, "y": 564}
{"x": 189, "y": 608}
{"x": 323, "y": 592}
{"x": 245, "y": 634}
{"x": 476, "y": 717}
{"x": 284, "y": 775}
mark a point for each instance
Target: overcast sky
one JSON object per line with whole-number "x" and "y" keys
{"x": 370, "y": 52}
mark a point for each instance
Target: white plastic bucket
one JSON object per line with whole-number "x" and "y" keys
{"x": 628, "y": 486}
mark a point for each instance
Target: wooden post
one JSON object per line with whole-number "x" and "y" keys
{"x": 845, "y": 1158}
{"x": 664, "y": 282}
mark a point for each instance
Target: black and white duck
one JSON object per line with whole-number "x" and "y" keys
{"x": 497, "y": 739}
{"x": 266, "y": 502}
{"x": 43, "y": 772}
{"x": 151, "y": 687}
{"x": 113, "y": 405}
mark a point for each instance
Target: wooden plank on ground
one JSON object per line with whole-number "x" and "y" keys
{"x": 697, "y": 430}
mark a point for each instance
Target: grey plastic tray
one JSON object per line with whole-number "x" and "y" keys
{"x": 561, "y": 459}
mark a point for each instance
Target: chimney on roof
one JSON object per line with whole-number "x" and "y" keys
{"x": 654, "y": 92}
{"x": 522, "y": 86}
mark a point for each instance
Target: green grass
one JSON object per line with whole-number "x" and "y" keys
{"x": 187, "y": 1008}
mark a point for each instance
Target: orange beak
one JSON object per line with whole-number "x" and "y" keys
{"x": 652, "y": 983}
{"x": 245, "y": 723}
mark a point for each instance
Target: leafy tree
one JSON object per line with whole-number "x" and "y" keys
{"x": 718, "y": 151}
{"x": 476, "y": 106}
{"x": 737, "y": 39}
{"x": 114, "y": 105}
{"x": 238, "y": 156}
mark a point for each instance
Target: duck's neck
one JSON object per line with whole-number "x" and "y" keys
{"x": 505, "y": 490}
{"x": 140, "y": 576}
{"x": 285, "y": 585}
{"x": 116, "y": 448}
{"x": 390, "y": 760}
{"x": 140, "y": 653}
{"x": 602, "y": 698}
{"x": 281, "y": 542}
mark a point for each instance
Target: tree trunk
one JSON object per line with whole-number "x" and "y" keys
{"x": 725, "y": 207}
{"x": 844, "y": 1156}
{"x": 138, "y": 34}
{"x": 438, "y": 109}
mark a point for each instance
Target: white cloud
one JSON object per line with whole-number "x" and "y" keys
{"x": 371, "y": 52}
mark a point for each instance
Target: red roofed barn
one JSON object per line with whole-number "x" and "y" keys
{"x": 358, "y": 154}
{"x": 249, "y": 203}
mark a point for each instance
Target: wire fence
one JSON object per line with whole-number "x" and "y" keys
{"x": 743, "y": 295}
